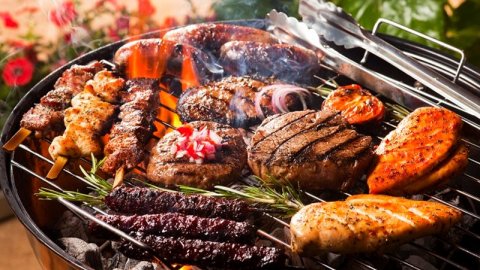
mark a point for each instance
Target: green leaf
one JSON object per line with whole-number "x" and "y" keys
{"x": 427, "y": 16}
{"x": 250, "y": 9}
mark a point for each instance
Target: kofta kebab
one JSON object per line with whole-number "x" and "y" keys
{"x": 237, "y": 80}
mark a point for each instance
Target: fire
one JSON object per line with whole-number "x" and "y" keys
{"x": 189, "y": 75}
{"x": 166, "y": 113}
{"x": 148, "y": 62}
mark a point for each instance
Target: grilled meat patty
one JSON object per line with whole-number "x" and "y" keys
{"x": 367, "y": 223}
{"x": 421, "y": 141}
{"x": 138, "y": 200}
{"x": 316, "y": 149}
{"x": 230, "y": 101}
{"x": 129, "y": 136}
{"x": 283, "y": 61}
{"x": 166, "y": 168}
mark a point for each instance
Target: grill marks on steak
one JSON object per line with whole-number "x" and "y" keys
{"x": 316, "y": 149}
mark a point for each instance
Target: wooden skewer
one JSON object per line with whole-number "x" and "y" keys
{"x": 16, "y": 139}
{"x": 119, "y": 175}
{"x": 57, "y": 167}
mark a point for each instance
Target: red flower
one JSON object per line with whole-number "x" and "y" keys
{"x": 8, "y": 20}
{"x": 18, "y": 72}
{"x": 63, "y": 14}
{"x": 145, "y": 8}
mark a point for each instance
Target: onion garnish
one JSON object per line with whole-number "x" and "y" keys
{"x": 196, "y": 145}
{"x": 279, "y": 95}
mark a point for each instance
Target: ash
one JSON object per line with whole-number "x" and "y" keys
{"x": 73, "y": 236}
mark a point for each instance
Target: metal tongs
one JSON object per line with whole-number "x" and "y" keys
{"x": 324, "y": 19}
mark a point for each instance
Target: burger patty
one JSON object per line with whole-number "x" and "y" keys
{"x": 164, "y": 167}
{"x": 314, "y": 149}
{"x": 230, "y": 101}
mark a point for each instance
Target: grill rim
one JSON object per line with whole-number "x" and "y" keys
{"x": 7, "y": 181}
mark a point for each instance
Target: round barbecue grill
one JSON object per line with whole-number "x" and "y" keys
{"x": 23, "y": 170}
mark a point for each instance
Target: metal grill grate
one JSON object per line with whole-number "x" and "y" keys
{"x": 469, "y": 209}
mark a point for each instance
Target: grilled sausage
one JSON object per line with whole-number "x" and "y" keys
{"x": 210, "y": 36}
{"x": 283, "y": 61}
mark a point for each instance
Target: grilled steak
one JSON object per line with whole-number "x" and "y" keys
{"x": 168, "y": 168}
{"x": 205, "y": 253}
{"x": 283, "y": 61}
{"x": 316, "y": 149}
{"x": 180, "y": 225}
{"x": 137, "y": 200}
{"x": 231, "y": 101}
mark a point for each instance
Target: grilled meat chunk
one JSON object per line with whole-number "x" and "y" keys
{"x": 367, "y": 223}
{"x": 136, "y": 200}
{"x": 315, "y": 149}
{"x": 206, "y": 253}
{"x": 129, "y": 136}
{"x": 167, "y": 167}
{"x": 47, "y": 115}
{"x": 210, "y": 36}
{"x": 179, "y": 225}
{"x": 421, "y": 141}
{"x": 87, "y": 118}
{"x": 283, "y": 61}
{"x": 231, "y": 101}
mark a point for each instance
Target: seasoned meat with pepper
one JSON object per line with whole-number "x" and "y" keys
{"x": 283, "y": 61}
{"x": 240, "y": 101}
{"x": 199, "y": 154}
{"x": 416, "y": 148}
{"x": 47, "y": 116}
{"x": 314, "y": 149}
{"x": 367, "y": 223}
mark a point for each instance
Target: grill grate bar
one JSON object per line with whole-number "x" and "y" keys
{"x": 436, "y": 255}
{"x": 453, "y": 206}
{"x": 398, "y": 260}
{"x": 460, "y": 248}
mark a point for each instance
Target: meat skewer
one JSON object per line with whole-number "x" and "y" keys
{"x": 137, "y": 200}
{"x": 175, "y": 224}
{"x": 47, "y": 116}
{"x": 90, "y": 114}
{"x": 129, "y": 136}
{"x": 205, "y": 253}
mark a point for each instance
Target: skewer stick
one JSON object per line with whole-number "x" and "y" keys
{"x": 16, "y": 139}
{"x": 119, "y": 175}
{"x": 57, "y": 167}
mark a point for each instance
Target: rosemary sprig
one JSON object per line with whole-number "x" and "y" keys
{"x": 50, "y": 194}
{"x": 278, "y": 195}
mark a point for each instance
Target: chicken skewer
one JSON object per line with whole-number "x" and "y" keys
{"x": 90, "y": 114}
{"x": 129, "y": 136}
{"x": 47, "y": 116}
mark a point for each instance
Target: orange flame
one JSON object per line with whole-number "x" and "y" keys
{"x": 148, "y": 61}
{"x": 189, "y": 75}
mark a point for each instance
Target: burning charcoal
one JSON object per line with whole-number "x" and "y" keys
{"x": 117, "y": 261}
{"x": 138, "y": 265}
{"x": 70, "y": 225}
{"x": 83, "y": 251}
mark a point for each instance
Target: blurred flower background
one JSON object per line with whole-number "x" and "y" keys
{"x": 36, "y": 37}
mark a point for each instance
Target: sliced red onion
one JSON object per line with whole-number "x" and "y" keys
{"x": 280, "y": 92}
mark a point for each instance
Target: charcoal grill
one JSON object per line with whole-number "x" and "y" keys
{"x": 22, "y": 172}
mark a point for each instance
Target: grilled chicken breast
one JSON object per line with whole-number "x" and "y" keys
{"x": 421, "y": 141}
{"x": 367, "y": 223}
{"x": 314, "y": 149}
